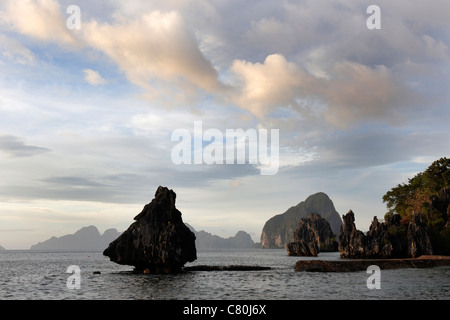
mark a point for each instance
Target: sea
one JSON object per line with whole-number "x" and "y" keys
{"x": 32, "y": 275}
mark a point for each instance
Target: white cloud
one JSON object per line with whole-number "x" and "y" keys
{"x": 350, "y": 91}
{"x": 271, "y": 84}
{"x": 41, "y": 19}
{"x": 157, "y": 52}
{"x": 93, "y": 77}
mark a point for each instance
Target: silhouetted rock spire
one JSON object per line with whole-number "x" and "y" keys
{"x": 159, "y": 241}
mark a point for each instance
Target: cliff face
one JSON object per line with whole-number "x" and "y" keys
{"x": 159, "y": 241}
{"x": 418, "y": 239}
{"x": 384, "y": 240}
{"x": 279, "y": 230}
{"x": 312, "y": 235}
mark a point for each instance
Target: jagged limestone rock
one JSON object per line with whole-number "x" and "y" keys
{"x": 159, "y": 241}
{"x": 312, "y": 235}
{"x": 385, "y": 239}
{"x": 418, "y": 238}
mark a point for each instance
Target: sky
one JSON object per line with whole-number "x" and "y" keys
{"x": 89, "y": 104}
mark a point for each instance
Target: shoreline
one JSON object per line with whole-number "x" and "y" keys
{"x": 428, "y": 261}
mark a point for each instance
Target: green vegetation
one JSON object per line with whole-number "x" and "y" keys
{"x": 427, "y": 193}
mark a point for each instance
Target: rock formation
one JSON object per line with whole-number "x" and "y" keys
{"x": 158, "y": 241}
{"x": 418, "y": 238}
{"x": 307, "y": 248}
{"x": 384, "y": 240}
{"x": 363, "y": 264}
{"x": 312, "y": 235}
{"x": 378, "y": 243}
{"x": 351, "y": 240}
{"x": 279, "y": 230}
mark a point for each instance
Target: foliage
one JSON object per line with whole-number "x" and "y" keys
{"x": 405, "y": 199}
{"x": 397, "y": 231}
{"x": 428, "y": 193}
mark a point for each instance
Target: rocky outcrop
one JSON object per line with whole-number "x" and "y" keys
{"x": 312, "y": 235}
{"x": 159, "y": 241}
{"x": 351, "y": 240}
{"x": 303, "y": 248}
{"x": 418, "y": 238}
{"x": 363, "y": 264}
{"x": 384, "y": 240}
{"x": 378, "y": 244}
{"x": 279, "y": 230}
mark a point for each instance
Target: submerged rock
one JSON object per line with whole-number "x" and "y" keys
{"x": 159, "y": 241}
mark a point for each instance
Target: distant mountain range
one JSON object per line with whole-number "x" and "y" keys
{"x": 90, "y": 239}
{"x": 205, "y": 240}
{"x": 1, "y": 248}
{"x": 279, "y": 230}
{"x": 87, "y": 238}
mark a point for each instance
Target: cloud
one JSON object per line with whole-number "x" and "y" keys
{"x": 371, "y": 149}
{"x": 93, "y": 77}
{"x": 313, "y": 60}
{"x": 15, "y": 51}
{"x": 40, "y": 19}
{"x": 73, "y": 182}
{"x": 282, "y": 36}
{"x": 15, "y": 147}
{"x": 274, "y": 83}
{"x": 355, "y": 75}
{"x": 347, "y": 93}
{"x": 357, "y": 92}
{"x": 157, "y": 52}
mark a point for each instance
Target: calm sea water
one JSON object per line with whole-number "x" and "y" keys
{"x": 42, "y": 275}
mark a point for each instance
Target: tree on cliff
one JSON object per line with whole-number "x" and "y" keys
{"x": 428, "y": 193}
